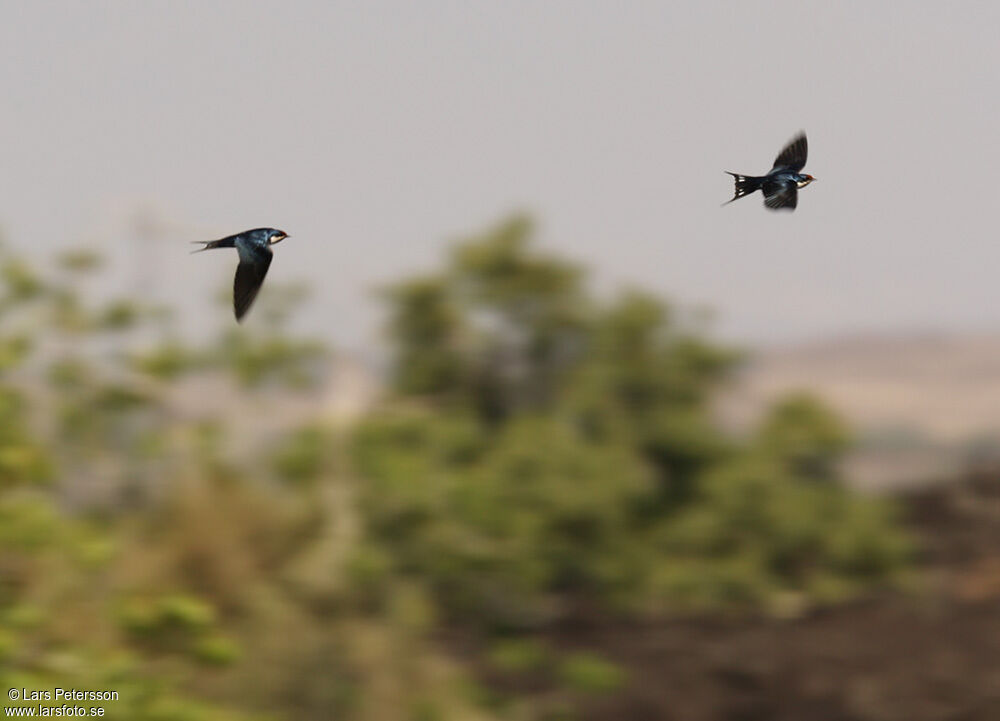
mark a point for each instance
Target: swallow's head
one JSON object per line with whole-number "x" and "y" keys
{"x": 276, "y": 236}
{"x": 805, "y": 179}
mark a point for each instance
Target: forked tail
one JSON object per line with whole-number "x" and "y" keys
{"x": 745, "y": 184}
{"x": 209, "y": 244}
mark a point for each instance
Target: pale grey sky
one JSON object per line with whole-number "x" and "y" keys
{"x": 376, "y": 132}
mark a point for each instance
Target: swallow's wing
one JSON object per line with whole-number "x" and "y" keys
{"x": 780, "y": 194}
{"x": 793, "y": 157}
{"x": 254, "y": 262}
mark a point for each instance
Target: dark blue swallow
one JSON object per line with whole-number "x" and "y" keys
{"x": 255, "y": 259}
{"x": 782, "y": 182}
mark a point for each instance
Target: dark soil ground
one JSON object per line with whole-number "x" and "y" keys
{"x": 928, "y": 656}
{"x": 870, "y": 662}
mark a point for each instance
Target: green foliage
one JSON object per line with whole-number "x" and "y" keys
{"x": 806, "y": 435}
{"x": 13, "y": 350}
{"x": 497, "y": 329}
{"x": 274, "y": 358}
{"x": 22, "y": 459}
{"x": 425, "y": 327}
{"x": 179, "y": 623}
{"x": 540, "y": 511}
{"x": 756, "y": 530}
{"x": 20, "y": 280}
{"x": 369, "y": 573}
{"x": 167, "y": 361}
{"x": 119, "y": 315}
{"x": 519, "y": 655}
{"x": 304, "y": 455}
{"x": 217, "y": 650}
{"x": 547, "y": 449}
{"x": 184, "y": 583}
{"x": 589, "y": 673}
{"x": 545, "y": 453}
{"x": 80, "y": 260}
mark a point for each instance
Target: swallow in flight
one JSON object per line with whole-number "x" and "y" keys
{"x": 782, "y": 182}
{"x": 255, "y": 258}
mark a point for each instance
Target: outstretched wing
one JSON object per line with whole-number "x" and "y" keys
{"x": 781, "y": 194}
{"x": 793, "y": 157}
{"x": 254, "y": 262}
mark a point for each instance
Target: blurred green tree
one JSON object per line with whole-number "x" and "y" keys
{"x": 805, "y": 435}
{"x": 495, "y": 332}
{"x": 137, "y": 555}
{"x": 548, "y": 450}
{"x": 545, "y": 452}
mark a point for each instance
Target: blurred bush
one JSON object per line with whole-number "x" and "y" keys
{"x": 544, "y": 454}
{"x": 144, "y": 550}
{"x": 549, "y": 450}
